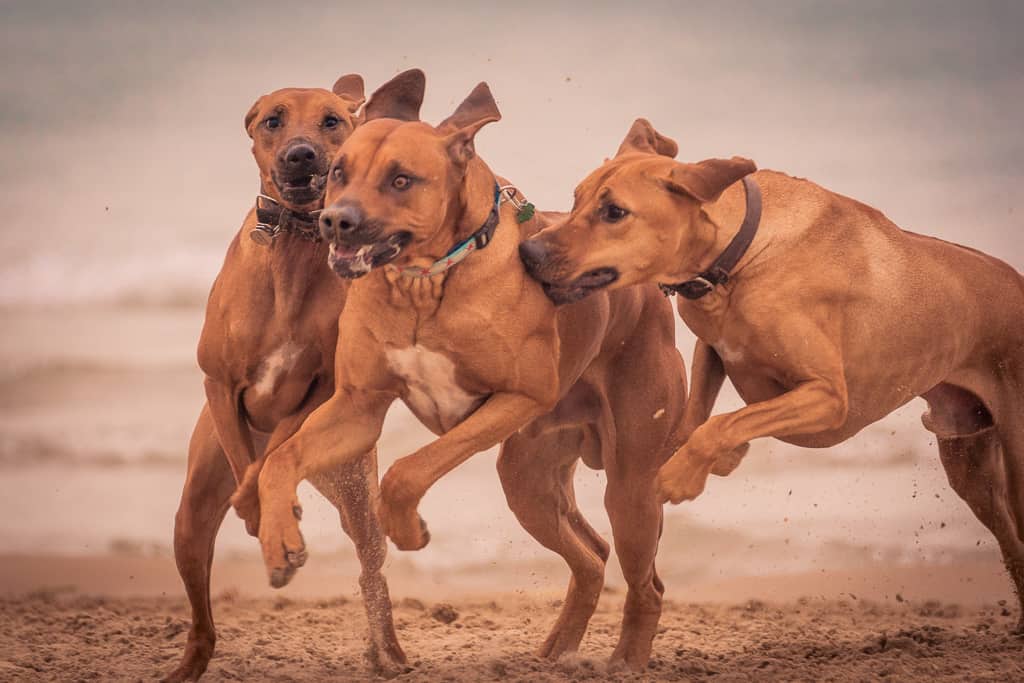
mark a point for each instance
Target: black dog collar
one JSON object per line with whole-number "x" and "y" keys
{"x": 273, "y": 219}
{"x": 718, "y": 273}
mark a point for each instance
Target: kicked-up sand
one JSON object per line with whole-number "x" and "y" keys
{"x": 844, "y": 626}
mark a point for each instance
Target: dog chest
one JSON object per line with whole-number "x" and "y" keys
{"x": 432, "y": 391}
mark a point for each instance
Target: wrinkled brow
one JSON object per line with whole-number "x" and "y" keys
{"x": 583, "y": 190}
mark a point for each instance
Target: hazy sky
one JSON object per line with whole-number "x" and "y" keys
{"x": 126, "y": 171}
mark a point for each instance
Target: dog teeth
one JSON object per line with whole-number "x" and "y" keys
{"x": 360, "y": 262}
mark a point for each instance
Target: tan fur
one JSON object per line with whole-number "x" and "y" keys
{"x": 482, "y": 357}
{"x": 833, "y": 319}
{"x": 267, "y": 350}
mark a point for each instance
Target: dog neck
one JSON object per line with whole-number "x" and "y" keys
{"x": 727, "y": 249}
{"x": 290, "y": 264}
{"x": 275, "y": 217}
{"x": 467, "y": 211}
{"x": 467, "y": 226}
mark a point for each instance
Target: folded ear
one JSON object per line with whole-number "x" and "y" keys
{"x": 644, "y": 139}
{"x": 474, "y": 113}
{"x": 251, "y": 115}
{"x": 350, "y": 88}
{"x": 400, "y": 98}
{"x": 707, "y": 179}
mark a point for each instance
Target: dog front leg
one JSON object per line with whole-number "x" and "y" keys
{"x": 708, "y": 375}
{"x": 246, "y": 497}
{"x": 343, "y": 428}
{"x": 812, "y": 407}
{"x": 409, "y": 478}
{"x": 230, "y": 425}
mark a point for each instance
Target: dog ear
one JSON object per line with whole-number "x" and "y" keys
{"x": 643, "y": 138}
{"x": 706, "y": 180}
{"x": 251, "y": 115}
{"x": 400, "y": 98}
{"x": 474, "y": 113}
{"x": 350, "y": 88}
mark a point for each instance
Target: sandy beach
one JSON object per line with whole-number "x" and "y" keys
{"x": 127, "y": 172}
{"x": 123, "y": 618}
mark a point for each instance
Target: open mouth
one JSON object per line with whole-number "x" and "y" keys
{"x": 581, "y": 287}
{"x": 355, "y": 260}
{"x": 301, "y": 189}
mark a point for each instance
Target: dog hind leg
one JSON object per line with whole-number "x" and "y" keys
{"x": 536, "y": 473}
{"x": 352, "y": 490}
{"x": 983, "y": 469}
{"x": 204, "y": 502}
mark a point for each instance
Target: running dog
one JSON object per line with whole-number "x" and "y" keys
{"x": 267, "y": 350}
{"x": 442, "y": 315}
{"x": 824, "y": 315}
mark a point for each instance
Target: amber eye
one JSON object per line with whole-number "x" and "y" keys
{"x": 331, "y": 121}
{"x": 401, "y": 182}
{"x": 272, "y": 122}
{"x": 613, "y": 213}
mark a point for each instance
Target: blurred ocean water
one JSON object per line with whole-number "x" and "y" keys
{"x": 126, "y": 172}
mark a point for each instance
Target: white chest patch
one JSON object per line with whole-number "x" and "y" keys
{"x": 273, "y": 366}
{"x": 430, "y": 379}
{"x": 728, "y": 354}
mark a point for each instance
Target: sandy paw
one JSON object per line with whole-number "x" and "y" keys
{"x": 193, "y": 664}
{"x": 387, "y": 662}
{"x": 284, "y": 549}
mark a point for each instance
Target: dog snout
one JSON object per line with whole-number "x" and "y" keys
{"x": 298, "y": 156}
{"x": 338, "y": 220}
{"x": 534, "y": 254}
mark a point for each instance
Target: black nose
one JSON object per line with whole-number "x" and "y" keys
{"x": 533, "y": 253}
{"x": 339, "y": 219}
{"x": 299, "y": 155}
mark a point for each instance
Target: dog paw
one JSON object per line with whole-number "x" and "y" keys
{"x": 388, "y": 661}
{"x": 725, "y": 464}
{"x": 406, "y": 529}
{"x": 399, "y": 497}
{"x": 682, "y": 478}
{"x": 284, "y": 549}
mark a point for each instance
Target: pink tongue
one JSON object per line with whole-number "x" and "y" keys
{"x": 345, "y": 252}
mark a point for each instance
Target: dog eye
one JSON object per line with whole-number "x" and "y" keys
{"x": 272, "y": 122}
{"x": 331, "y": 121}
{"x": 401, "y": 182}
{"x": 613, "y": 213}
{"x": 338, "y": 174}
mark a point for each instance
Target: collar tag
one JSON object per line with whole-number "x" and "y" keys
{"x": 524, "y": 208}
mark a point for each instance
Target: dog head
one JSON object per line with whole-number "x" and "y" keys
{"x": 631, "y": 219}
{"x": 295, "y": 133}
{"x": 398, "y": 191}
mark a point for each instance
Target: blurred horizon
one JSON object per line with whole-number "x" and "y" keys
{"x": 126, "y": 174}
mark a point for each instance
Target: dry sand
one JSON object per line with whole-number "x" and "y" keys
{"x": 80, "y": 622}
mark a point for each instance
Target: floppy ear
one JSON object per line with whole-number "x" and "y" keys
{"x": 707, "y": 179}
{"x": 400, "y": 98}
{"x": 474, "y": 113}
{"x": 251, "y": 115}
{"x": 643, "y": 138}
{"x": 350, "y": 88}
